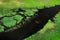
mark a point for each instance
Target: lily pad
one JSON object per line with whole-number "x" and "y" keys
{"x": 8, "y": 22}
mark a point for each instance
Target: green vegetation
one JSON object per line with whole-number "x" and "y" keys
{"x": 10, "y": 19}
{"x": 28, "y": 4}
{"x": 9, "y": 22}
{"x": 1, "y": 28}
{"x": 18, "y": 18}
